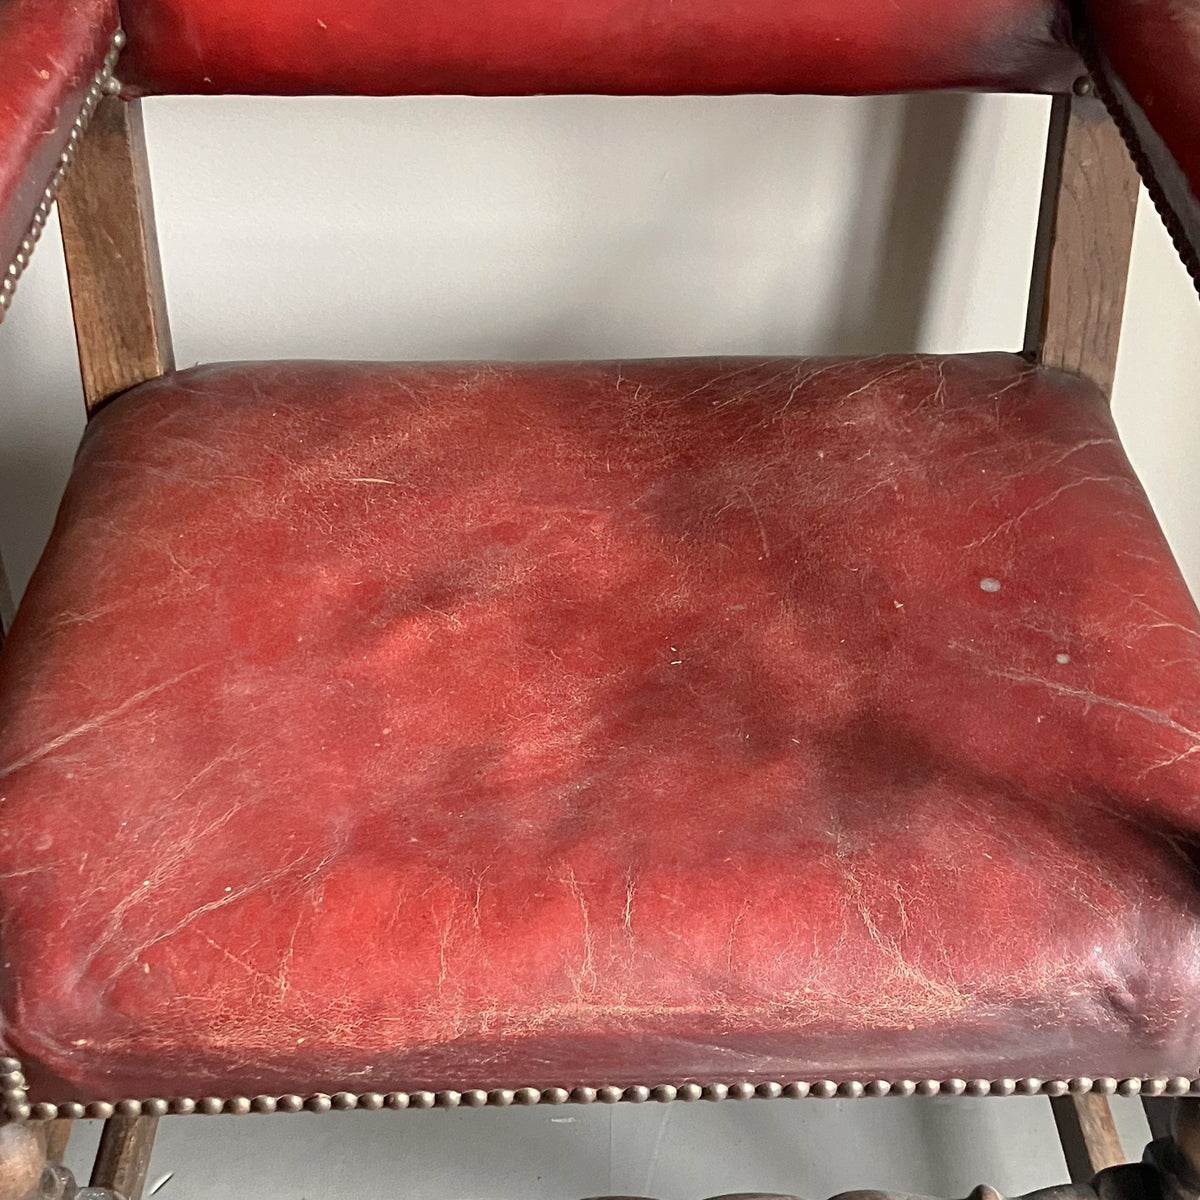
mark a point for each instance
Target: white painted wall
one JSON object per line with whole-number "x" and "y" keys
{"x": 585, "y": 227}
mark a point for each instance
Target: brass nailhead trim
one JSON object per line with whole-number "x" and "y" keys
{"x": 18, "y": 1108}
{"x": 103, "y": 85}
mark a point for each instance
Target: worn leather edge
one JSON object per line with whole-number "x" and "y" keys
{"x": 104, "y": 83}
{"x": 18, "y": 1107}
{"x": 1166, "y": 183}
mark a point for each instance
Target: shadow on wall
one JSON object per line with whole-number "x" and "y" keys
{"x": 908, "y": 159}
{"x": 886, "y": 219}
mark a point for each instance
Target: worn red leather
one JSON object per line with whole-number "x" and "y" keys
{"x": 1148, "y": 59}
{"x": 504, "y": 47}
{"x": 50, "y": 51}
{"x": 373, "y": 726}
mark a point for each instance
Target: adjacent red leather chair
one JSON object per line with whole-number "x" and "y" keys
{"x": 437, "y": 734}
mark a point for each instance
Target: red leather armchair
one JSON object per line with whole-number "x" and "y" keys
{"x": 423, "y": 735}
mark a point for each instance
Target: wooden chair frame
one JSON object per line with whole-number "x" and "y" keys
{"x": 1081, "y": 260}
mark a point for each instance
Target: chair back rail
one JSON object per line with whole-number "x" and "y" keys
{"x": 498, "y": 47}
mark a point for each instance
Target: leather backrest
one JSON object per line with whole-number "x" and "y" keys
{"x": 523, "y": 47}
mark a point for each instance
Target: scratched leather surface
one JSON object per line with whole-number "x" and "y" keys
{"x": 610, "y": 46}
{"x": 453, "y": 726}
{"x": 50, "y": 51}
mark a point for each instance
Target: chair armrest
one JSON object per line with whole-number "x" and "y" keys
{"x": 1145, "y": 58}
{"x": 55, "y": 56}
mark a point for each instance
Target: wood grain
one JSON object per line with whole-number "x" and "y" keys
{"x": 111, "y": 247}
{"x": 1085, "y": 233}
{"x": 124, "y": 1155}
{"x": 58, "y": 1134}
{"x": 1087, "y": 1134}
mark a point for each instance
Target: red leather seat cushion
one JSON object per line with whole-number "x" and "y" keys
{"x": 457, "y": 726}
{"x": 501, "y": 47}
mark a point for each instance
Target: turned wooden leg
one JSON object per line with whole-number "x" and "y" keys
{"x": 1185, "y": 1133}
{"x": 1177, "y": 1158}
{"x": 124, "y": 1155}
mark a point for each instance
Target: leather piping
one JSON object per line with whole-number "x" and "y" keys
{"x": 18, "y": 1108}
{"x": 104, "y": 84}
{"x": 1169, "y": 195}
